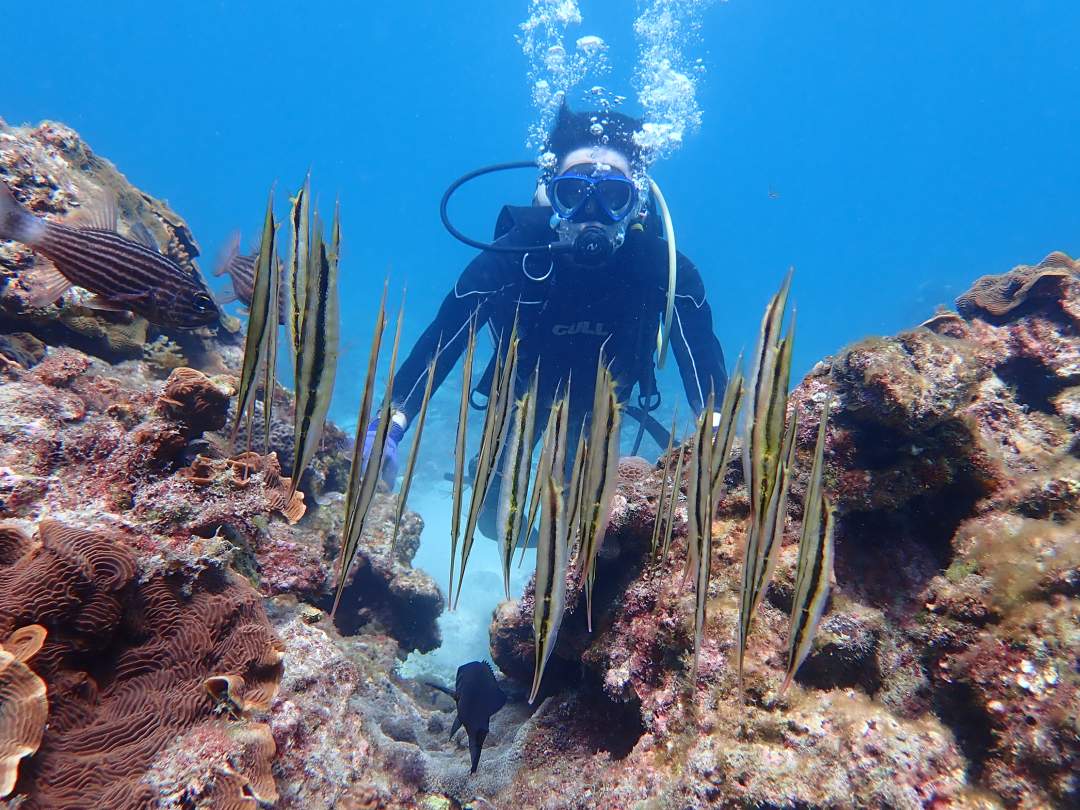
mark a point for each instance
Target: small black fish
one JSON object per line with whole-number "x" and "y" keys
{"x": 124, "y": 274}
{"x": 477, "y": 696}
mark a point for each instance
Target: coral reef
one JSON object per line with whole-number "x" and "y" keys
{"x": 163, "y": 641}
{"x": 124, "y": 662}
{"x": 57, "y": 175}
{"x": 953, "y": 459}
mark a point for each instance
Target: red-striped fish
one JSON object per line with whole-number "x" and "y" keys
{"x": 122, "y": 273}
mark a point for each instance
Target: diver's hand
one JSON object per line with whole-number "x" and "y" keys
{"x": 389, "y": 459}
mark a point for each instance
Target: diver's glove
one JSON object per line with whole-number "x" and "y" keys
{"x": 394, "y": 436}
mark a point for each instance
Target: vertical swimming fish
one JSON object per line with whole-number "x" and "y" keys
{"x": 356, "y": 470}
{"x": 123, "y": 273}
{"x": 357, "y": 509}
{"x": 699, "y": 510}
{"x": 673, "y": 501}
{"x": 270, "y": 361}
{"x": 418, "y": 432}
{"x": 515, "y": 480}
{"x": 814, "y": 570}
{"x": 766, "y": 459}
{"x": 575, "y": 509}
{"x": 601, "y": 477}
{"x": 316, "y": 360}
{"x": 699, "y": 491}
{"x": 661, "y": 498}
{"x": 459, "y": 453}
{"x": 552, "y": 555}
{"x": 557, "y": 422}
{"x": 258, "y": 321}
{"x": 297, "y": 268}
{"x": 726, "y": 426}
{"x": 496, "y": 426}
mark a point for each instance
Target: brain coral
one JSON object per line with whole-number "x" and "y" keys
{"x": 126, "y": 663}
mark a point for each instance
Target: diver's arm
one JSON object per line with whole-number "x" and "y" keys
{"x": 469, "y": 300}
{"x": 696, "y": 349}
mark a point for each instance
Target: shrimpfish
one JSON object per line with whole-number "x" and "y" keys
{"x": 121, "y": 272}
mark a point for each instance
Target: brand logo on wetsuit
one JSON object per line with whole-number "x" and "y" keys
{"x": 579, "y": 328}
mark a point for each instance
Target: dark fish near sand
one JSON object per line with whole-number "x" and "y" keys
{"x": 478, "y": 697}
{"x": 123, "y": 273}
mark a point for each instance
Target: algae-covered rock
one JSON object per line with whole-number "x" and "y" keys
{"x": 941, "y": 673}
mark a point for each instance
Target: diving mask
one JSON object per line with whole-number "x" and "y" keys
{"x": 571, "y": 193}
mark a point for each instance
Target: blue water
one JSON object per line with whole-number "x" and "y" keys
{"x": 892, "y": 152}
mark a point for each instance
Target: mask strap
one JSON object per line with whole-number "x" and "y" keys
{"x": 530, "y": 276}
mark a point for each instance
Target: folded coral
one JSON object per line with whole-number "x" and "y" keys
{"x": 125, "y": 661}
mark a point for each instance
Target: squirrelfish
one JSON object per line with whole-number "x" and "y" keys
{"x": 121, "y": 272}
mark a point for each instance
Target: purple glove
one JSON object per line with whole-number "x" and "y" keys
{"x": 389, "y": 460}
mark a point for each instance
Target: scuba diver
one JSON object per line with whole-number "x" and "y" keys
{"x": 584, "y": 269}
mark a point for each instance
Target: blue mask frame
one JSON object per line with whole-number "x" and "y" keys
{"x": 592, "y": 191}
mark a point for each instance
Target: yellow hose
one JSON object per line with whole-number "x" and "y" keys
{"x": 663, "y": 337}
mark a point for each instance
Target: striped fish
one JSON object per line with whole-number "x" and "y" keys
{"x": 418, "y": 432}
{"x": 766, "y": 459}
{"x": 813, "y": 573}
{"x": 241, "y": 271}
{"x": 273, "y": 294}
{"x": 575, "y": 510}
{"x": 296, "y": 269}
{"x": 699, "y": 491}
{"x": 699, "y": 510}
{"x": 255, "y": 343}
{"x": 727, "y": 424}
{"x": 356, "y": 510}
{"x": 123, "y": 273}
{"x": 317, "y": 349}
{"x": 496, "y": 427}
{"x": 557, "y": 422}
{"x": 673, "y": 501}
{"x": 459, "y": 452}
{"x": 601, "y": 476}
{"x": 662, "y": 497}
{"x": 552, "y": 554}
{"x": 356, "y": 470}
{"x": 515, "y": 480}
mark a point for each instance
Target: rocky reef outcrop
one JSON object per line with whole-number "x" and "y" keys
{"x": 945, "y": 668}
{"x": 164, "y": 641}
{"x": 140, "y": 540}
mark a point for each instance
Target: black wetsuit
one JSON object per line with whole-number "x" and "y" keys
{"x": 566, "y": 313}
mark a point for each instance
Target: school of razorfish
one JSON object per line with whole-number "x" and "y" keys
{"x": 574, "y": 508}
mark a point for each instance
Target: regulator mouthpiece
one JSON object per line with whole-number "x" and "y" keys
{"x": 593, "y": 246}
